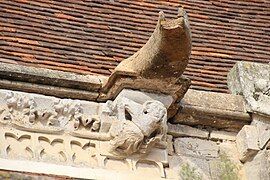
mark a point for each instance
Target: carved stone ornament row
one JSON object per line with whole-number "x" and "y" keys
{"x": 63, "y": 130}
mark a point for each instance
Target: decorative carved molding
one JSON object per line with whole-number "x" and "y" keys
{"x": 23, "y": 112}
{"x": 60, "y": 131}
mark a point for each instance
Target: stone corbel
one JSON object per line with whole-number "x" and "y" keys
{"x": 158, "y": 66}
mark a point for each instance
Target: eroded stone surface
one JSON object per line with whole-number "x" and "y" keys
{"x": 252, "y": 80}
{"x": 223, "y": 135}
{"x": 262, "y": 125}
{"x": 259, "y": 167}
{"x": 170, "y": 147}
{"x": 178, "y": 130}
{"x": 230, "y": 149}
{"x": 200, "y": 165}
{"x": 196, "y": 147}
{"x": 247, "y": 142}
{"x": 225, "y": 165}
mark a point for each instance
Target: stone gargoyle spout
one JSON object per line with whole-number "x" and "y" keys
{"x": 165, "y": 55}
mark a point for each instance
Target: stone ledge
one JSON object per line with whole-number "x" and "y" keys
{"x": 214, "y": 100}
{"x": 69, "y": 171}
{"x": 198, "y": 107}
{"x": 177, "y": 130}
{"x": 50, "y": 77}
{"x": 209, "y": 109}
{"x": 60, "y": 92}
{"x": 223, "y": 135}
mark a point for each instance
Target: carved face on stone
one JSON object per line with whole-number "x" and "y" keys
{"x": 152, "y": 117}
{"x": 144, "y": 129}
{"x": 155, "y": 109}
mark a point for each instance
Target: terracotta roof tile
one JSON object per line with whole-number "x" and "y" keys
{"x": 92, "y": 37}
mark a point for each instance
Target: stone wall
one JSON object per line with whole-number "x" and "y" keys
{"x": 203, "y": 153}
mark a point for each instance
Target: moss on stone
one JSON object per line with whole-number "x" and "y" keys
{"x": 189, "y": 173}
{"x": 228, "y": 170}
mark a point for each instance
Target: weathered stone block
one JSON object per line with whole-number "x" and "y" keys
{"x": 178, "y": 130}
{"x": 258, "y": 167}
{"x": 199, "y": 165}
{"x": 223, "y": 168}
{"x": 223, "y": 135}
{"x": 213, "y": 100}
{"x": 229, "y": 148}
{"x": 196, "y": 147}
{"x": 263, "y": 128}
{"x": 247, "y": 142}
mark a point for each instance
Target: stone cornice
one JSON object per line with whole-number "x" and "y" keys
{"x": 198, "y": 103}
{"x": 217, "y": 110}
{"x": 50, "y": 82}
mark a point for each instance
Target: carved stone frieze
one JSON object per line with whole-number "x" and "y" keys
{"x": 62, "y": 131}
{"x": 58, "y": 115}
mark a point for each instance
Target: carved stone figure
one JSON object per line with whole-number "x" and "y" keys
{"x": 252, "y": 80}
{"x": 142, "y": 127}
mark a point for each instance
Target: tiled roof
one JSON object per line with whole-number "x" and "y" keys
{"x": 93, "y": 36}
